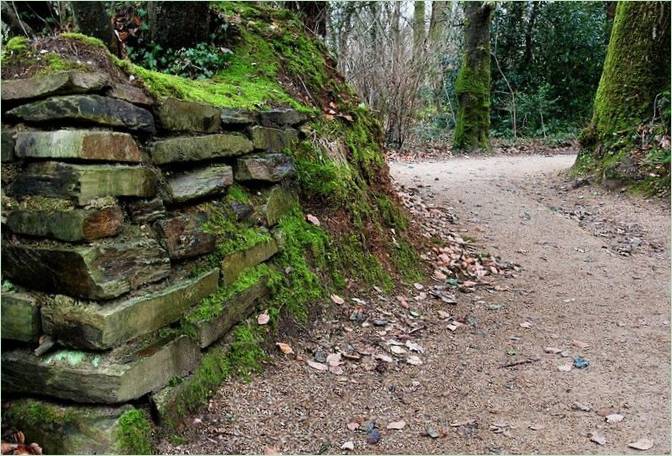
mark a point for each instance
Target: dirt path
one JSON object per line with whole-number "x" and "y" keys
{"x": 594, "y": 283}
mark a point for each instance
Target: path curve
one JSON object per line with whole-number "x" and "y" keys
{"x": 594, "y": 283}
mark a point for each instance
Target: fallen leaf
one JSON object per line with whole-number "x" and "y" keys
{"x": 334, "y": 359}
{"x": 337, "y": 299}
{"x": 271, "y": 451}
{"x": 263, "y": 318}
{"x": 414, "y": 360}
{"x": 318, "y": 366}
{"x": 537, "y": 427}
{"x": 337, "y": 370}
{"x": 384, "y": 358}
{"x": 565, "y": 367}
{"x": 349, "y": 445}
{"x": 443, "y": 315}
{"x": 397, "y": 350}
{"x": 438, "y": 275}
{"x": 641, "y": 444}
{"x": 552, "y": 350}
{"x": 353, "y": 425}
{"x": 598, "y": 438}
{"x": 526, "y": 325}
{"x": 285, "y": 348}
{"x": 397, "y": 425}
{"x": 312, "y": 219}
{"x": 412, "y": 346}
{"x": 578, "y": 343}
{"x": 614, "y": 418}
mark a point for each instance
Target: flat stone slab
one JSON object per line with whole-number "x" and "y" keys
{"x": 130, "y": 93}
{"x": 184, "y": 237}
{"x": 96, "y": 326}
{"x": 20, "y": 317}
{"x": 235, "y": 309}
{"x": 273, "y": 139}
{"x": 231, "y": 116}
{"x": 235, "y": 263}
{"x": 83, "y": 183}
{"x": 52, "y": 84}
{"x": 265, "y": 168}
{"x": 70, "y": 225}
{"x": 78, "y": 144}
{"x": 200, "y": 183}
{"x": 199, "y": 148}
{"x": 178, "y": 115}
{"x": 281, "y": 117}
{"x": 102, "y": 270}
{"x": 96, "y": 109}
{"x": 145, "y": 211}
{"x": 121, "y": 375}
{"x": 78, "y": 429}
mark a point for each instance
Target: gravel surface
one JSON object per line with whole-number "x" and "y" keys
{"x": 496, "y": 372}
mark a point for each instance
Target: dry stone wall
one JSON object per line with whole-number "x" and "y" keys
{"x": 105, "y": 220}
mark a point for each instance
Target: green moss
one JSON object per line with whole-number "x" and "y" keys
{"x": 91, "y": 41}
{"x": 391, "y": 213}
{"x": 36, "y": 414}
{"x": 17, "y": 44}
{"x": 237, "y": 193}
{"x": 212, "y": 306}
{"x": 230, "y": 235}
{"x": 134, "y": 433}
{"x": 351, "y": 258}
{"x": 472, "y": 88}
{"x": 407, "y": 262}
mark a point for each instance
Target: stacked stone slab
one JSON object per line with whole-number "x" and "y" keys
{"x": 103, "y": 230}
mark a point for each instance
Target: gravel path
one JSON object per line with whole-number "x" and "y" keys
{"x": 594, "y": 283}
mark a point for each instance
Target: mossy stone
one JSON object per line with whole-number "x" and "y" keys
{"x": 8, "y": 136}
{"x": 101, "y": 270}
{"x": 78, "y": 144}
{"x": 235, "y": 263}
{"x": 20, "y": 317}
{"x": 91, "y": 325}
{"x": 184, "y": 235}
{"x": 80, "y": 429}
{"x": 273, "y": 139}
{"x": 67, "y": 225}
{"x": 199, "y": 183}
{"x": 281, "y": 117}
{"x": 95, "y": 109}
{"x": 83, "y": 183}
{"x": 178, "y": 115}
{"x": 14, "y": 90}
{"x": 120, "y": 375}
{"x": 199, "y": 148}
{"x": 264, "y": 168}
{"x": 275, "y": 203}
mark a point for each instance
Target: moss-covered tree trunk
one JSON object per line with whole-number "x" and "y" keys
{"x": 636, "y": 69}
{"x": 472, "y": 86}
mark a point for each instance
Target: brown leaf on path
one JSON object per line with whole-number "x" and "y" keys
{"x": 526, "y": 325}
{"x": 263, "y": 318}
{"x": 353, "y": 426}
{"x": 336, "y": 299}
{"x": 552, "y": 350}
{"x": 334, "y": 359}
{"x": 317, "y": 366}
{"x": 338, "y": 370}
{"x": 462, "y": 423}
{"x": 414, "y": 360}
{"x": 641, "y": 444}
{"x": 597, "y": 437}
{"x": 349, "y": 445}
{"x": 271, "y": 451}
{"x": 580, "y": 344}
{"x": 397, "y": 425}
{"x": 285, "y": 348}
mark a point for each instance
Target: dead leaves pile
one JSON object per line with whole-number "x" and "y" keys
{"x": 15, "y": 443}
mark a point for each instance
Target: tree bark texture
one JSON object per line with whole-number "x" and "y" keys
{"x": 92, "y": 19}
{"x": 175, "y": 25}
{"x": 472, "y": 86}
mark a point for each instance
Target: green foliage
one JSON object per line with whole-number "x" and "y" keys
{"x": 557, "y": 73}
{"x": 91, "y": 41}
{"x": 134, "y": 433}
{"x": 473, "y": 117}
{"x": 17, "y": 44}
{"x": 230, "y": 235}
{"x": 199, "y": 62}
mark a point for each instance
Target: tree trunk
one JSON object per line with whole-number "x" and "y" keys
{"x": 92, "y": 19}
{"x": 636, "y": 69}
{"x": 437, "y": 21}
{"x": 313, "y": 15}
{"x": 418, "y": 26}
{"x": 472, "y": 86}
{"x": 175, "y": 25}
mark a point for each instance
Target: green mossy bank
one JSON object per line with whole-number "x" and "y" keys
{"x": 363, "y": 238}
{"x": 631, "y": 113}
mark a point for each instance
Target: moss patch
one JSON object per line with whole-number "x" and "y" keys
{"x": 134, "y": 433}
